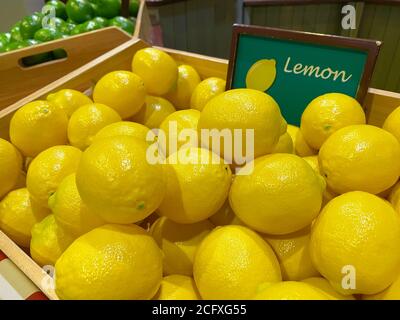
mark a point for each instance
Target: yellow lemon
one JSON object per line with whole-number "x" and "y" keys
{"x": 177, "y": 287}
{"x": 188, "y": 79}
{"x": 157, "y": 69}
{"x": 359, "y": 230}
{"x": 112, "y": 262}
{"x": 70, "y": 211}
{"x": 123, "y": 91}
{"x": 231, "y": 262}
{"x": 390, "y": 293}
{"x": 290, "y": 290}
{"x": 392, "y": 123}
{"x": 225, "y": 216}
{"x": 328, "y": 113}
{"x": 48, "y": 169}
{"x": 87, "y": 121}
{"x": 283, "y": 194}
{"x": 123, "y": 128}
{"x": 197, "y": 185}
{"x": 37, "y": 126}
{"x": 205, "y": 91}
{"x": 69, "y": 100}
{"x": 154, "y": 111}
{"x": 261, "y": 75}
{"x": 349, "y": 159}
{"x": 243, "y": 109}
{"x": 49, "y": 241}
{"x": 179, "y": 243}
{"x": 173, "y": 127}
{"x": 116, "y": 180}
{"x": 284, "y": 145}
{"x": 18, "y": 214}
{"x": 10, "y": 167}
{"x": 301, "y": 148}
{"x": 293, "y": 254}
{"x": 394, "y": 197}
{"x": 324, "y": 285}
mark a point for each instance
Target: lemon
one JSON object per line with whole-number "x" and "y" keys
{"x": 205, "y": 91}
{"x": 390, "y": 293}
{"x": 349, "y": 159}
{"x": 243, "y": 109}
{"x": 188, "y": 79}
{"x": 177, "y": 287}
{"x": 69, "y": 210}
{"x": 69, "y": 100}
{"x": 123, "y": 128}
{"x": 328, "y": 113}
{"x": 231, "y": 262}
{"x": 110, "y": 262}
{"x": 87, "y": 121}
{"x": 37, "y": 126}
{"x": 18, "y": 214}
{"x": 179, "y": 243}
{"x": 283, "y": 194}
{"x": 360, "y": 230}
{"x": 392, "y": 123}
{"x": 154, "y": 111}
{"x": 49, "y": 241}
{"x": 324, "y": 285}
{"x": 173, "y": 129}
{"x": 284, "y": 145}
{"x": 157, "y": 69}
{"x": 225, "y": 216}
{"x": 293, "y": 254}
{"x": 394, "y": 197}
{"x": 301, "y": 148}
{"x": 48, "y": 169}
{"x": 116, "y": 180}
{"x": 10, "y": 167}
{"x": 261, "y": 75}
{"x": 198, "y": 183}
{"x": 290, "y": 290}
{"x": 123, "y": 91}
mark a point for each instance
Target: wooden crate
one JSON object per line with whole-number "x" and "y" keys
{"x": 16, "y": 81}
{"x": 378, "y": 104}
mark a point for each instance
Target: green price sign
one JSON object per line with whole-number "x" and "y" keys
{"x": 295, "y": 67}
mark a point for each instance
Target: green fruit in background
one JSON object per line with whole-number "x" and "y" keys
{"x": 133, "y": 19}
{"x": 134, "y": 8}
{"x": 103, "y": 22}
{"x": 15, "y": 45}
{"x": 67, "y": 28}
{"x": 123, "y": 23}
{"x": 77, "y": 30}
{"x": 59, "y": 23}
{"x": 16, "y": 32}
{"x": 47, "y": 34}
{"x": 90, "y": 26}
{"x": 31, "y": 24}
{"x": 4, "y": 41}
{"x": 79, "y": 11}
{"x": 106, "y": 8}
{"x": 59, "y": 7}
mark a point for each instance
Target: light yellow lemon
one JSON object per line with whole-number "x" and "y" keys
{"x": 48, "y": 169}
{"x": 198, "y": 183}
{"x": 10, "y": 167}
{"x": 188, "y": 79}
{"x": 205, "y": 91}
{"x": 157, "y": 69}
{"x": 123, "y": 128}
{"x": 283, "y": 194}
{"x": 392, "y": 123}
{"x": 112, "y": 262}
{"x": 301, "y": 148}
{"x": 179, "y": 243}
{"x": 225, "y": 216}
{"x": 328, "y": 113}
{"x": 18, "y": 214}
{"x": 69, "y": 100}
{"x": 123, "y": 91}
{"x": 290, "y": 290}
{"x": 357, "y": 234}
{"x": 116, "y": 180}
{"x": 390, "y": 293}
{"x": 284, "y": 145}
{"x": 349, "y": 159}
{"x": 324, "y": 285}
{"x": 37, "y": 126}
{"x": 231, "y": 262}
{"x": 177, "y": 287}
{"x": 87, "y": 121}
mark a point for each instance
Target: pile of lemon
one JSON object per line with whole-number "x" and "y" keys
{"x": 317, "y": 217}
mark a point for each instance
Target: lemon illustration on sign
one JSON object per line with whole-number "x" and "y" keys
{"x": 261, "y": 75}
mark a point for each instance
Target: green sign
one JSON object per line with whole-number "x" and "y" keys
{"x": 295, "y": 67}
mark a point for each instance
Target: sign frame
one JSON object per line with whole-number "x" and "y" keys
{"x": 371, "y": 47}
